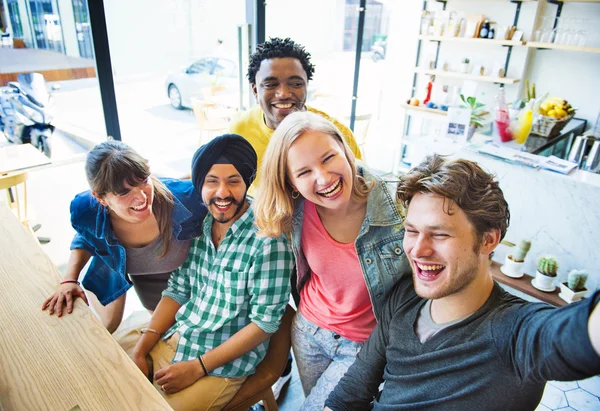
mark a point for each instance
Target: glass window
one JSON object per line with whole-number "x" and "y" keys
{"x": 166, "y": 55}
{"x": 46, "y": 25}
{"x": 15, "y": 19}
{"x": 226, "y": 68}
{"x": 82, "y": 28}
{"x": 330, "y": 89}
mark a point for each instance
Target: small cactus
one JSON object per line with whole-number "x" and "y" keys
{"x": 547, "y": 265}
{"x": 522, "y": 250}
{"x": 577, "y": 279}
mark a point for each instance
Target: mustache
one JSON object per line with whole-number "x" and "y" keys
{"x": 232, "y": 199}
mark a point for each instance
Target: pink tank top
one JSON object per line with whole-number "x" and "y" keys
{"x": 336, "y": 296}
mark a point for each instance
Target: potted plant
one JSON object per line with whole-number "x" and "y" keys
{"x": 574, "y": 288}
{"x": 547, "y": 266}
{"x": 477, "y": 113}
{"x": 464, "y": 66}
{"x": 513, "y": 264}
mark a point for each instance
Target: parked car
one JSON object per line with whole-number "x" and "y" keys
{"x": 198, "y": 76}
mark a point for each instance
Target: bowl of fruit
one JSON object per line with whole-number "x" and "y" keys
{"x": 554, "y": 114}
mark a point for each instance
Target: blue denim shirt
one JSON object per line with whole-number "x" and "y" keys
{"x": 106, "y": 276}
{"x": 378, "y": 245}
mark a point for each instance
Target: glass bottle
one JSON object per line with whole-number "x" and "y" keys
{"x": 502, "y": 117}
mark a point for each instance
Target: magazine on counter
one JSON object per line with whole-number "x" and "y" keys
{"x": 551, "y": 163}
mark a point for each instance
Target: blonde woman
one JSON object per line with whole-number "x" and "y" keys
{"x": 346, "y": 234}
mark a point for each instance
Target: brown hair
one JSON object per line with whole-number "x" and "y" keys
{"x": 464, "y": 183}
{"x": 274, "y": 205}
{"x": 111, "y": 164}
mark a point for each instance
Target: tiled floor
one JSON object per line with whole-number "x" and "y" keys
{"x": 566, "y": 396}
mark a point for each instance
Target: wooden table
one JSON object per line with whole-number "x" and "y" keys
{"x": 17, "y": 157}
{"x": 50, "y": 363}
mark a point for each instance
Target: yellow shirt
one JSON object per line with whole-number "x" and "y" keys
{"x": 251, "y": 125}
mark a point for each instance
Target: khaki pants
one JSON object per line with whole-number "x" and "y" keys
{"x": 208, "y": 393}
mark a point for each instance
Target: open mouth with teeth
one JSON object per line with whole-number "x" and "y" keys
{"x": 141, "y": 207}
{"x": 429, "y": 272}
{"x": 333, "y": 190}
{"x": 222, "y": 205}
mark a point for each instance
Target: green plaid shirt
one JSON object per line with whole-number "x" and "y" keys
{"x": 247, "y": 279}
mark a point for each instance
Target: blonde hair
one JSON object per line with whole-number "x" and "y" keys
{"x": 274, "y": 205}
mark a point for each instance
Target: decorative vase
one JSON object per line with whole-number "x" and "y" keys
{"x": 569, "y": 295}
{"x": 544, "y": 282}
{"x": 512, "y": 268}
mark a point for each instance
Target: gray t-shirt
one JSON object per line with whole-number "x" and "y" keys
{"x": 149, "y": 273}
{"x": 425, "y": 327}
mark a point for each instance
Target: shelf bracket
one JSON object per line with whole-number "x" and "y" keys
{"x": 517, "y": 12}
{"x": 559, "y": 7}
{"x": 507, "y": 62}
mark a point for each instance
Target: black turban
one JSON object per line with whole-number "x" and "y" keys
{"x": 236, "y": 149}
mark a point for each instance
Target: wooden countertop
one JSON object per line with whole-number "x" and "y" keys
{"x": 523, "y": 284}
{"x": 55, "y": 363}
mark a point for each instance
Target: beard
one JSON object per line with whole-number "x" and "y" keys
{"x": 220, "y": 216}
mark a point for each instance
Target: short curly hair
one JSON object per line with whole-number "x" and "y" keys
{"x": 276, "y": 47}
{"x": 465, "y": 184}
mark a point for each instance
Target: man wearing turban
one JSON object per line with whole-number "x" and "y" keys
{"x": 212, "y": 326}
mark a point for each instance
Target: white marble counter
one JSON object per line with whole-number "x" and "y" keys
{"x": 560, "y": 214}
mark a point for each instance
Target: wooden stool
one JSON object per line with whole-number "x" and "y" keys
{"x": 258, "y": 386}
{"x": 12, "y": 184}
{"x": 211, "y": 119}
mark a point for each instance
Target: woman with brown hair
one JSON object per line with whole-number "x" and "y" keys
{"x": 135, "y": 228}
{"x": 346, "y": 233}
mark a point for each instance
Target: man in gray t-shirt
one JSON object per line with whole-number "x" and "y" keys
{"x": 451, "y": 338}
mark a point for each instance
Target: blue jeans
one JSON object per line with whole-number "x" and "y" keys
{"x": 323, "y": 357}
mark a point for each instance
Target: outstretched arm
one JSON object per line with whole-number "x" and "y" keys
{"x": 546, "y": 343}
{"x": 594, "y": 329}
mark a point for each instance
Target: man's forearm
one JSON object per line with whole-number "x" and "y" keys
{"x": 162, "y": 318}
{"x": 594, "y": 328}
{"x": 239, "y": 344}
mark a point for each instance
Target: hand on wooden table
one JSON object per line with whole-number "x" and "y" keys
{"x": 65, "y": 294}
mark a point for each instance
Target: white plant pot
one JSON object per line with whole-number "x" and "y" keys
{"x": 464, "y": 68}
{"x": 569, "y": 295}
{"x": 512, "y": 268}
{"x": 543, "y": 282}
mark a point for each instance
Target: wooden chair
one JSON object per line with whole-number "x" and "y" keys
{"x": 15, "y": 187}
{"x": 258, "y": 386}
{"x": 361, "y": 130}
{"x": 211, "y": 119}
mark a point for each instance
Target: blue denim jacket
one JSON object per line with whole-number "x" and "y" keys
{"x": 378, "y": 245}
{"x": 106, "y": 276}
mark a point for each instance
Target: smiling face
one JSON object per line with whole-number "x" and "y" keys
{"x": 443, "y": 251}
{"x": 280, "y": 88}
{"x": 134, "y": 204}
{"x": 224, "y": 193}
{"x": 318, "y": 169}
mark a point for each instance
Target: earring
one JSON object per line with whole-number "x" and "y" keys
{"x": 295, "y": 194}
